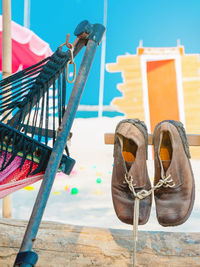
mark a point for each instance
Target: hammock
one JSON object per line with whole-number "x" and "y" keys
{"x": 32, "y": 105}
{"x": 29, "y": 133}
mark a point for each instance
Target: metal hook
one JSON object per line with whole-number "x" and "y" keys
{"x": 67, "y": 43}
{"x": 70, "y": 46}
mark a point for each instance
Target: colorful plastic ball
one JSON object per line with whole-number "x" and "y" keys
{"x": 74, "y": 191}
{"x": 98, "y": 180}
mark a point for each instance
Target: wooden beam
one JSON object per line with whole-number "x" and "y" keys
{"x": 193, "y": 139}
{"x": 70, "y": 245}
{"x": 6, "y": 70}
{"x": 60, "y": 244}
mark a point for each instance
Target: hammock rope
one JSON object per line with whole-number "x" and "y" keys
{"x": 34, "y": 100}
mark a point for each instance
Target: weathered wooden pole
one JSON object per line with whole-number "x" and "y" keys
{"x": 6, "y": 70}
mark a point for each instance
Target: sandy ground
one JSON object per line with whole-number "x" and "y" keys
{"x": 91, "y": 176}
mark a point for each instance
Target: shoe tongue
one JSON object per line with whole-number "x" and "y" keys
{"x": 128, "y": 165}
{"x": 139, "y": 173}
{"x": 137, "y": 168}
{"x": 169, "y": 167}
{"x": 165, "y": 164}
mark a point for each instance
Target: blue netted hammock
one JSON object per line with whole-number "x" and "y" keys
{"x": 32, "y": 104}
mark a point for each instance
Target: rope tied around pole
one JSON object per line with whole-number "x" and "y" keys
{"x": 164, "y": 181}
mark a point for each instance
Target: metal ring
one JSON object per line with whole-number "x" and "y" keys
{"x": 74, "y": 72}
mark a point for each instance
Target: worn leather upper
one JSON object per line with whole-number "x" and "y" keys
{"x": 173, "y": 204}
{"x": 123, "y": 198}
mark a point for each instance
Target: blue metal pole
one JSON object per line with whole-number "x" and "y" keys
{"x": 58, "y": 149}
{"x": 56, "y": 155}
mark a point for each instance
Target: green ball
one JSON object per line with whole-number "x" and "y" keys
{"x": 74, "y": 191}
{"x": 98, "y": 180}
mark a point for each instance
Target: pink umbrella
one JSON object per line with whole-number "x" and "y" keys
{"x": 27, "y": 47}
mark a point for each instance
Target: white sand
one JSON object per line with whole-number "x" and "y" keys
{"x": 92, "y": 206}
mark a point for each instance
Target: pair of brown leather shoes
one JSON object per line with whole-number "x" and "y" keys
{"x": 173, "y": 187}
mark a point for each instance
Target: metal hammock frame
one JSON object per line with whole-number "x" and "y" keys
{"x": 34, "y": 88}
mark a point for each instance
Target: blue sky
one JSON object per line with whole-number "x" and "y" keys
{"x": 156, "y": 22}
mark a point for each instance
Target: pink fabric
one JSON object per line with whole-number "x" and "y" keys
{"x": 12, "y": 166}
{"x": 9, "y": 188}
{"x": 13, "y": 179}
{"x": 17, "y": 178}
{"x": 27, "y": 48}
{"x": 20, "y": 174}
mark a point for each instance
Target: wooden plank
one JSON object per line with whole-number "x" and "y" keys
{"x": 6, "y": 71}
{"x": 193, "y": 139}
{"x": 70, "y": 245}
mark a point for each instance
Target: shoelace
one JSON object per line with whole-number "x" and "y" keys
{"x": 164, "y": 181}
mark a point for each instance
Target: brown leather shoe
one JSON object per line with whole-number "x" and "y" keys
{"x": 130, "y": 155}
{"x": 175, "y": 198}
